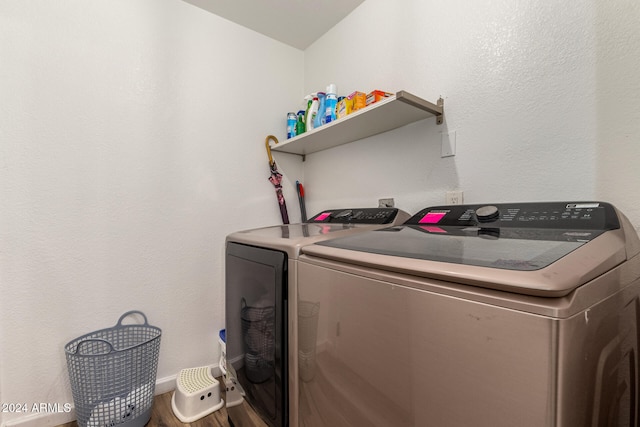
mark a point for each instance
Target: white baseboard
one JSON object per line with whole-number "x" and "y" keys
{"x": 52, "y": 419}
{"x": 39, "y": 420}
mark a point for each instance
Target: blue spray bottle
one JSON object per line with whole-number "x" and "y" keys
{"x": 320, "y": 119}
{"x": 330, "y": 104}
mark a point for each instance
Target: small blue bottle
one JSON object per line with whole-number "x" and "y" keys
{"x": 292, "y": 119}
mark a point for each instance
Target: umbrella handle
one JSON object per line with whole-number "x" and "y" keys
{"x": 266, "y": 143}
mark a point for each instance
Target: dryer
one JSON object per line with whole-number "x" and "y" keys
{"x": 262, "y": 308}
{"x": 523, "y": 314}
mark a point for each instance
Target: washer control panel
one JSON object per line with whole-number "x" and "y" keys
{"x": 356, "y": 216}
{"x": 553, "y": 215}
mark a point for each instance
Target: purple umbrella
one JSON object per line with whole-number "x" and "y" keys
{"x": 276, "y": 179}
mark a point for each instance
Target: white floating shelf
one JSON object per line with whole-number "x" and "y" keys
{"x": 390, "y": 113}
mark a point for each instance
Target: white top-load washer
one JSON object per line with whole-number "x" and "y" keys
{"x": 262, "y": 307}
{"x": 523, "y": 314}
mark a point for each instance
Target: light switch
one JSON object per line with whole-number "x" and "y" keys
{"x": 448, "y": 144}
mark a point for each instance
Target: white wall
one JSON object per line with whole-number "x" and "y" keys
{"x": 618, "y": 104}
{"x": 543, "y": 97}
{"x": 131, "y": 145}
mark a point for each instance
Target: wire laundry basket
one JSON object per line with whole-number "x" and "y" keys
{"x": 113, "y": 374}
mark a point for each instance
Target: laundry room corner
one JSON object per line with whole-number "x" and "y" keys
{"x": 139, "y": 171}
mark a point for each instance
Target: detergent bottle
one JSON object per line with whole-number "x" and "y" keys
{"x": 312, "y": 113}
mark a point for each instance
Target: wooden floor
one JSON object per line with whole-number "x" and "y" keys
{"x": 162, "y": 416}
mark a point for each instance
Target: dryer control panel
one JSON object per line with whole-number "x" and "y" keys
{"x": 549, "y": 215}
{"x": 356, "y": 216}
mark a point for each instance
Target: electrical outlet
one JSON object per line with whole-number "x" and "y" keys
{"x": 385, "y": 203}
{"x": 454, "y": 197}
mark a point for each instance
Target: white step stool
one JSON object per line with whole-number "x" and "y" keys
{"x": 197, "y": 394}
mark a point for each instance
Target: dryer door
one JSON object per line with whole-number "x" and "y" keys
{"x": 256, "y": 336}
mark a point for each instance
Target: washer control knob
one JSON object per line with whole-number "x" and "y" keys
{"x": 487, "y": 214}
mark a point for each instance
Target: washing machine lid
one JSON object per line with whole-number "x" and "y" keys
{"x": 327, "y": 224}
{"x": 514, "y": 249}
{"x": 531, "y": 248}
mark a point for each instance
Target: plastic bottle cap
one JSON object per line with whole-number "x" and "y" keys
{"x": 331, "y": 88}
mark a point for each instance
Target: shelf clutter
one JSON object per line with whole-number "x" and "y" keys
{"x": 389, "y": 112}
